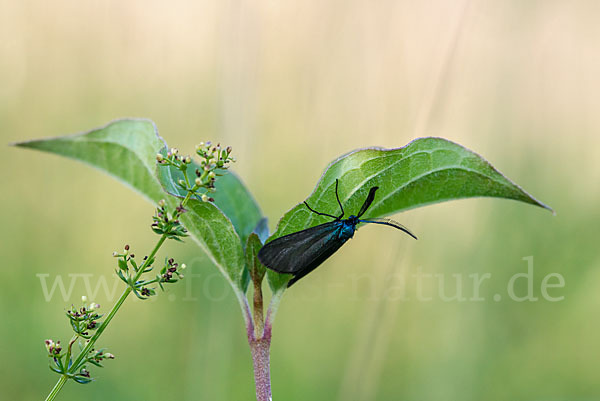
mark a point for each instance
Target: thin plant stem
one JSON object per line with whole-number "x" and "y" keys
{"x": 259, "y": 325}
{"x": 92, "y": 341}
{"x": 57, "y": 387}
{"x": 89, "y": 346}
{"x": 120, "y": 301}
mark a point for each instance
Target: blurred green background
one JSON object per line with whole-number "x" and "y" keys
{"x": 292, "y": 85}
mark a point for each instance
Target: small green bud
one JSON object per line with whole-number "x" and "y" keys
{"x": 181, "y": 182}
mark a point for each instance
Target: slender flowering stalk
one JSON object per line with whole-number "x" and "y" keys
{"x": 85, "y": 320}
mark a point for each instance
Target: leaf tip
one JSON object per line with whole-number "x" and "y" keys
{"x": 541, "y": 204}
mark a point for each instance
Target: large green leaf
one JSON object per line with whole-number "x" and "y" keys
{"x": 426, "y": 171}
{"x": 125, "y": 149}
{"x": 215, "y": 234}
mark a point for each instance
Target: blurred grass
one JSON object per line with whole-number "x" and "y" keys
{"x": 292, "y": 86}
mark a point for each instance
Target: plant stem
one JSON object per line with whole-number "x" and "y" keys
{"x": 259, "y": 339}
{"x": 57, "y": 387}
{"x": 259, "y": 348}
{"x": 90, "y": 345}
{"x": 120, "y": 301}
{"x": 259, "y": 325}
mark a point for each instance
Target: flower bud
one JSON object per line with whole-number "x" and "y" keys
{"x": 162, "y": 203}
{"x": 198, "y": 181}
{"x": 183, "y": 266}
{"x": 204, "y": 198}
{"x": 212, "y": 174}
{"x": 187, "y": 160}
{"x": 159, "y": 158}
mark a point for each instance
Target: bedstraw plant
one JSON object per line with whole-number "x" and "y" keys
{"x": 215, "y": 209}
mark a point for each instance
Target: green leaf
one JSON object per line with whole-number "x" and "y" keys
{"x": 255, "y": 241}
{"x": 125, "y": 149}
{"x": 234, "y": 199}
{"x": 82, "y": 379}
{"x": 122, "y": 264}
{"x": 257, "y": 270}
{"x": 215, "y": 234}
{"x": 262, "y": 230}
{"x": 426, "y": 171}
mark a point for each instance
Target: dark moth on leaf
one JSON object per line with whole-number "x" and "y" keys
{"x": 301, "y": 252}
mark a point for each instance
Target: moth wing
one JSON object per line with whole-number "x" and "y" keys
{"x": 323, "y": 254}
{"x": 301, "y": 252}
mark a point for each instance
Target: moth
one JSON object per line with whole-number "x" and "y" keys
{"x": 301, "y": 252}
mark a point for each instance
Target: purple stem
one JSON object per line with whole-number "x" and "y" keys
{"x": 260, "y": 344}
{"x": 260, "y": 359}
